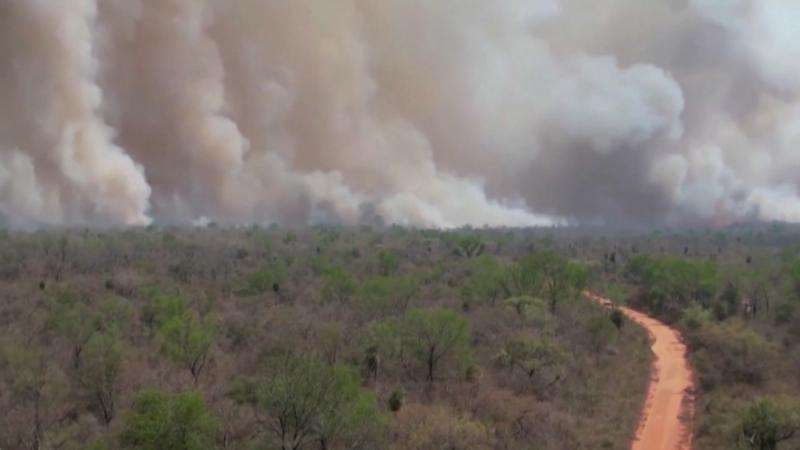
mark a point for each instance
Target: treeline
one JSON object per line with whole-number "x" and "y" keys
{"x": 320, "y": 338}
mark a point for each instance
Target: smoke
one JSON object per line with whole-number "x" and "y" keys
{"x": 59, "y": 160}
{"x": 445, "y": 113}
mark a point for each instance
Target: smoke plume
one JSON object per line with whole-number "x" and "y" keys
{"x": 432, "y": 113}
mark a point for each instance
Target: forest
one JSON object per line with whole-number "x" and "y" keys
{"x": 329, "y": 337}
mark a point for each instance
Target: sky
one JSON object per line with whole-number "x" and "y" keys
{"x": 431, "y": 113}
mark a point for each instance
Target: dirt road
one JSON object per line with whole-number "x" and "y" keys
{"x": 668, "y": 406}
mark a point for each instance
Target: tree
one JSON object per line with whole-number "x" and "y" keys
{"x": 548, "y": 275}
{"x": 70, "y": 317}
{"x": 757, "y": 283}
{"x": 671, "y": 284}
{"x": 432, "y": 335}
{"x": 160, "y": 307}
{"x": 187, "y": 341}
{"x": 728, "y": 302}
{"x": 694, "y": 317}
{"x": 338, "y": 285}
{"x": 541, "y": 360}
{"x": 308, "y": 401}
{"x": 99, "y": 373}
{"x": 331, "y": 339}
{"x": 469, "y": 245}
{"x": 169, "y": 422}
{"x": 601, "y": 333}
{"x": 266, "y": 279}
{"x": 768, "y": 421}
{"x": 381, "y": 296}
{"x": 485, "y": 282}
{"x": 76, "y": 320}
{"x": 564, "y": 281}
{"x": 34, "y": 385}
{"x": 534, "y": 310}
{"x": 387, "y": 262}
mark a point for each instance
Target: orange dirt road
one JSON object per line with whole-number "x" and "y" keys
{"x": 668, "y": 407}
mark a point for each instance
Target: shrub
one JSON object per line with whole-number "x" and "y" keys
{"x": 396, "y": 400}
{"x": 730, "y": 352}
{"x": 420, "y": 427}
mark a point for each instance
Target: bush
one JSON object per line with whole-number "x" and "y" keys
{"x": 396, "y": 400}
{"x": 694, "y": 317}
{"x": 617, "y": 318}
{"x": 730, "y": 352}
{"x": 420, "y": 427}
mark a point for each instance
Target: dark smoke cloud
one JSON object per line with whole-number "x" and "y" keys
{"x": 434, "y": 113}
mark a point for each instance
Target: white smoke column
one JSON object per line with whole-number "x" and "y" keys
{"x": 165, "y": 79}
{"x": 72, "y": 172}
{"x": 436, "y": 113}
{"x": 311, "y": 98}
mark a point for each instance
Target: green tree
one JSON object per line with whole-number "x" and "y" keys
{"x": 768, "y": 421}
{"x": 308, "y": 401}
{"x": 433, "y": 335}
{"x": 601, "y": 333}
{"x": 35, "y": 387}
{"x": 387, "y": 262}
{"x": 169, "y": 422}
{"x": 338, "y": 285}
{"x": 75, "y": 319}
{"x": 694, "y": 317}
{"x": 671, "y": 284}
{"x": 534, "y": 310}
{"x": 268, "y": 278}
{"x": 485, "y": 281}
{"x": 160, "y": 307}
{"x": 728, "y": 302}
{"x": 542, "y": 360}
{"x": 187, "y": 341}
{"x": 99, "y": 373}
{"x": 381, "y": 296}
{"x": 469, "y": 245}
{"x": 547, "y": 275}
{"x": 382, "y": 344}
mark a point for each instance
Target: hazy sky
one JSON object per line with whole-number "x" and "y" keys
{"x": 423, "y": 112}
